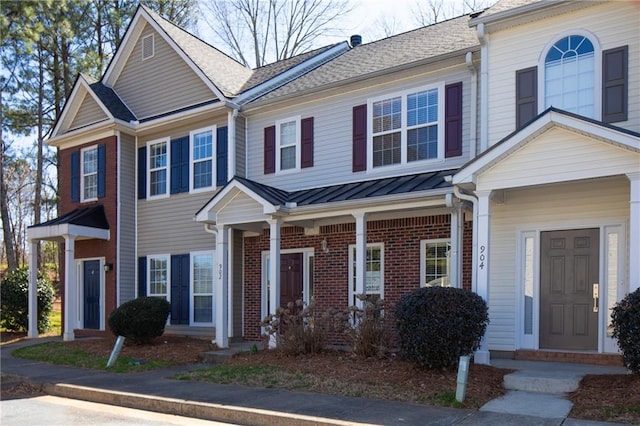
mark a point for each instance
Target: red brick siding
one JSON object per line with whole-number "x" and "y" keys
{"x": 95, "y": 248}
{"x": 401, "y": 238}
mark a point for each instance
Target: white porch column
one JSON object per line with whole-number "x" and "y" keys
{"x": 222, "y": 289}
{"x": 634, "y": 231}
{"x": 274, "y": 269}
{"x": 70, "y": 289}
{"x": 361, "y": 255}
{"x": 230, "y": 281}
{"x": 33, "y": 291}
{"x": 482, "y": 287}
{"x": 455, "y": 254}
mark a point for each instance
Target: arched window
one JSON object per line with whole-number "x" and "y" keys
{"x": 569, "y": 77}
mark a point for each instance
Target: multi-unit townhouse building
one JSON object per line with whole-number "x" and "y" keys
{"x": 497, "y": 152}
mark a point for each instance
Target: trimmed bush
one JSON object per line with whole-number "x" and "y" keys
{"x": 14, "y": 300}
{"x": 294, "y": 329}
{"x": 437, "y": 325}
{"x": 626, "y": 328}
{"x": 140, "y": 320}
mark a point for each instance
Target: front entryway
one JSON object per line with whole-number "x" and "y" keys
{"x": 91, "y": 292}
{"x": 291, "y": 280}
{"x": 569, "y": 271}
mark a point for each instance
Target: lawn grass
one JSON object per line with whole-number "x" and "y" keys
{"x": 59, "y": 353}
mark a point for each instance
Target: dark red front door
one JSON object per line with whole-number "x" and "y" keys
{"x": 290, "y": 278}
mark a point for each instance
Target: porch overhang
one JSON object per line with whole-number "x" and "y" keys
{"x": 79, "y": 224}
{"x": 556, "y": 147}
{"x": 243, "y": 201}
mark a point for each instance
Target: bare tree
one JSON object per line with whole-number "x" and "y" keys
{"x": 427, "y": 12}
{"x": 256, "y": 32}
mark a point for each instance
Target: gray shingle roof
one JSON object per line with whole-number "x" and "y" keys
{"x": 113, "y": 102}
{"x": 92, "y": 217}
{"x": 351, "y": 191}
{"x": 502, "y": 5}
{"x": 403, "y": 49}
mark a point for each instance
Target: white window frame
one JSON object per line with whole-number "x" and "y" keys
{"x": 167, "y": 168}
{"x": 167, "y": 258}
{"x": 83, "y": 151}
{"x": 193, "y": 161}
{"x": 423, "y": 259}
{"x": 352, "y": 277}
{"x": 404, "y": 127}
{"x": 153, "y": 47}
{"x": 193, "y": 294}
{"x": 597, "y": 57}
{"x": 298, "y": 144}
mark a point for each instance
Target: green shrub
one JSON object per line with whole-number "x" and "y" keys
{"x": 295, "y": 329}
{"x": 364, "y": 328}
{"x": 140, "y": 320}
{"x": 436, "y": 325}
{"x": 626, "y": 328}
{"x": 14, "y": 301}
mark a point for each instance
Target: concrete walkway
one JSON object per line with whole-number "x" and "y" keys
{"x": 155, "y": 391}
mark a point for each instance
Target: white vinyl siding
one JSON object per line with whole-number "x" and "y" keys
{"x": 585, "y": 204}
{"x": 332, "y": 116}
{"x": 243, "y": 209}
{"x": 88, "y": 113}
{"x": 142, "y": 85}
{"x": 614, "y": 24}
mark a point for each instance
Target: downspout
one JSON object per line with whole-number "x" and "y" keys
{"x": 474, "y": 246}
{"x": 474, "y": 105}
{"x": 484, "y": 87}
{"x": 231, "y": 140}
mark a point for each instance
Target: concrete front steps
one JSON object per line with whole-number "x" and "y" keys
{"x": 539, "y": 388}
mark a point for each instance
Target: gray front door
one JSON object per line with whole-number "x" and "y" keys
{"x": 568, "y": 272}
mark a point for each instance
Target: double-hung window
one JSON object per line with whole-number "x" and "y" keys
{"x": 202, "y": 287}
{"x": 288, "y": 144}
{"x": 158, "y": 168}
{"x": 89, "y": 173}
{"x": 374, "y": 272}
{"x": 158, "y": 276}
{"x": 202, "y": 152}
{"x": 435, "y": 264}
{"x": 407, "y": 127}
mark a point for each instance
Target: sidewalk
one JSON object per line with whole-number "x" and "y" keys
{"x": 154, "y": 391}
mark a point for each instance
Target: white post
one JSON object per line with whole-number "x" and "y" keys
{"x": 230, "y": 281}
{"x": 70, "y": 289}
{"x": 222, "y": 335}
{"x": 274, "y": 269}
{"x": 455, "y": 259}
{"x": 634, "y": 231}
{"x": 33, "y": 291}
{"x": 482, "y": 287}
{"x": 361, "y": 256}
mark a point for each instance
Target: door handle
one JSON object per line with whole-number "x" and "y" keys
{"x": 596, "y": 296}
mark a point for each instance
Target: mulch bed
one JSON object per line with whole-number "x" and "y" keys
{"x": 612, "y": 398}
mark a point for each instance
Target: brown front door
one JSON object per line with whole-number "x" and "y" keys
{"x": 568, "y": 271}
{"x": 290, "y": 278}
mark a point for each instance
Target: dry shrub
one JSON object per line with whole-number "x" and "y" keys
{"x": 294, "y": 329}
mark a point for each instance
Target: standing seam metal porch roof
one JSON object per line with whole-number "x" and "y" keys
{"x": 348, "y": 191}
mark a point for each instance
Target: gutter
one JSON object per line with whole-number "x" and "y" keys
{"x": 474, "y": 104}
{"x": 484, "y": 87}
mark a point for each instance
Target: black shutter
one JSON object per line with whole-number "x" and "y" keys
{"x": 75, "y": 176}
{"x": 180, "y": 289}
{"x": 306, "y": 136}
{"x": 453, "y": 120}
{"x": 269, "y": 149}
{"x": 142, "y": 172}
{"x": 102, "y": 154}
{"x": 615, "y": 84}
{"x": 526, "y": 95}
{"x": 179, "y": 165}
{"x": 359, "y": 138}
{"x": 142, "y": 276}
{"x": 222, "y": 147}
